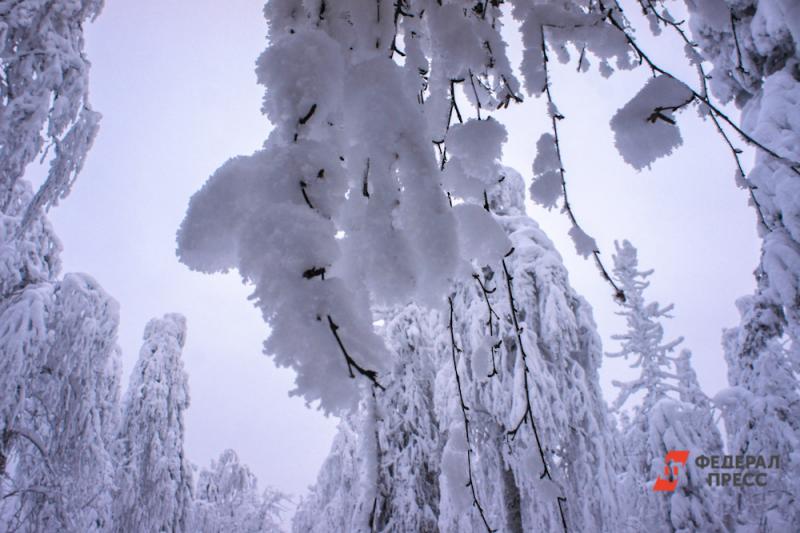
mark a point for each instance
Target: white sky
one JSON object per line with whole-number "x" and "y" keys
{"x": 175, "y": 83}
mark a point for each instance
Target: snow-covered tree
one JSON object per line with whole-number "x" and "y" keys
{"x": 59, "y": 368}
{"x": 673, "y": 415}
{"x": 44, "y": 97}
{"x": 643, "y": 341}
{"x": 332, "y": 501}
{"x": 761, "y": 409}
{"x": 376, "y": 190}
{"x": 154, "y": 478}
{"x": 227, "y": 500}
{"x": 754, "y": 48}
{"x": 61, "y": 373}
{"x": 517, "y": 433}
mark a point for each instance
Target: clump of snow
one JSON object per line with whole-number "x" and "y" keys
{"x": 478, "y": 145}
{"x": 585, "y": 245}
{"x": 546, "y": 187}
{"x": 644, "y": 128}
{"x": 480, "y": 237}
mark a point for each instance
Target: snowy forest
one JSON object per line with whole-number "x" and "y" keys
{"x": 403, "y": 282}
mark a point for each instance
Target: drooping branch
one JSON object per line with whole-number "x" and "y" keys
{"x": 703, "y": 98}
{"x": 490, "y": 321}
{"x": 528, "y": 414}
{"x": 365, "y": 181}
{"x": 351, "y": 363}
{"x": 668, "y": 21}
{"x": 555, "y": 116}
{"x": 478, "y": 105}
{"x": 471, "y": 483}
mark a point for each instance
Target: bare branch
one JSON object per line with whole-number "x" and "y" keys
{"x": 351, "y": 364}
{"x": 490, "y": 321}
{"x": 554, "y": 118}
{"x": 464, "y": 409}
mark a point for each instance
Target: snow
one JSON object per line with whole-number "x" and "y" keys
{"x": 546, "y": 187}
{"x": 584, "y": 244}
{"x": 377, "y": 197}
{"x": 478, "y": 146}
{"x": 480, "y": 237}
{"x": 644, "y": 128}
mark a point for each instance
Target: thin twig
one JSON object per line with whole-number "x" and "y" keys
{"x": 793, "y": 165}
{"x": 351, "y": 364}
{"x": 490, "y": 321}
{"x": 554, "y": 118}
{"x": 528, "y": 414}
{"x": 701, "y": 74}
{"x": 471, "y": 484}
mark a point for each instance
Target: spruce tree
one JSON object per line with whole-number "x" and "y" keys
{"x": 154, "y": 478}
{"x": 673, "y": 415}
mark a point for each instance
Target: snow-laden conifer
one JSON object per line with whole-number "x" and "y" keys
{"x": 154, "y": 477}
{"x": 672, "y": 414}
{"x": 761, "y": 410}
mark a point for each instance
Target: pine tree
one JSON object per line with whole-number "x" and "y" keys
{"x": 644, "y": 340}
{"x": 154, "y": 479}
{"x": 407, "y": 433}
{"x": 227, "y": 500}
{"x": 674, "y": 415}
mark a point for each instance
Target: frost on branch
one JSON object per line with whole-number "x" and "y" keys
{"x": 422, "y": 450}
{"x": 344, "y": 208}
{"x": 227, "y": 500}
{"x": 562, "y": 24}
{"x": 59, "y": 392}
{"x": 546, "y": 188}
{"x": 644, "y": 128}
{"x": 44, "y": 95}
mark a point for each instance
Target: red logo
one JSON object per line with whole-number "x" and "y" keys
{"x": 673, "y": 459}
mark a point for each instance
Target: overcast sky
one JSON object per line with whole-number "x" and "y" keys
{"x": 175, "y": 83}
